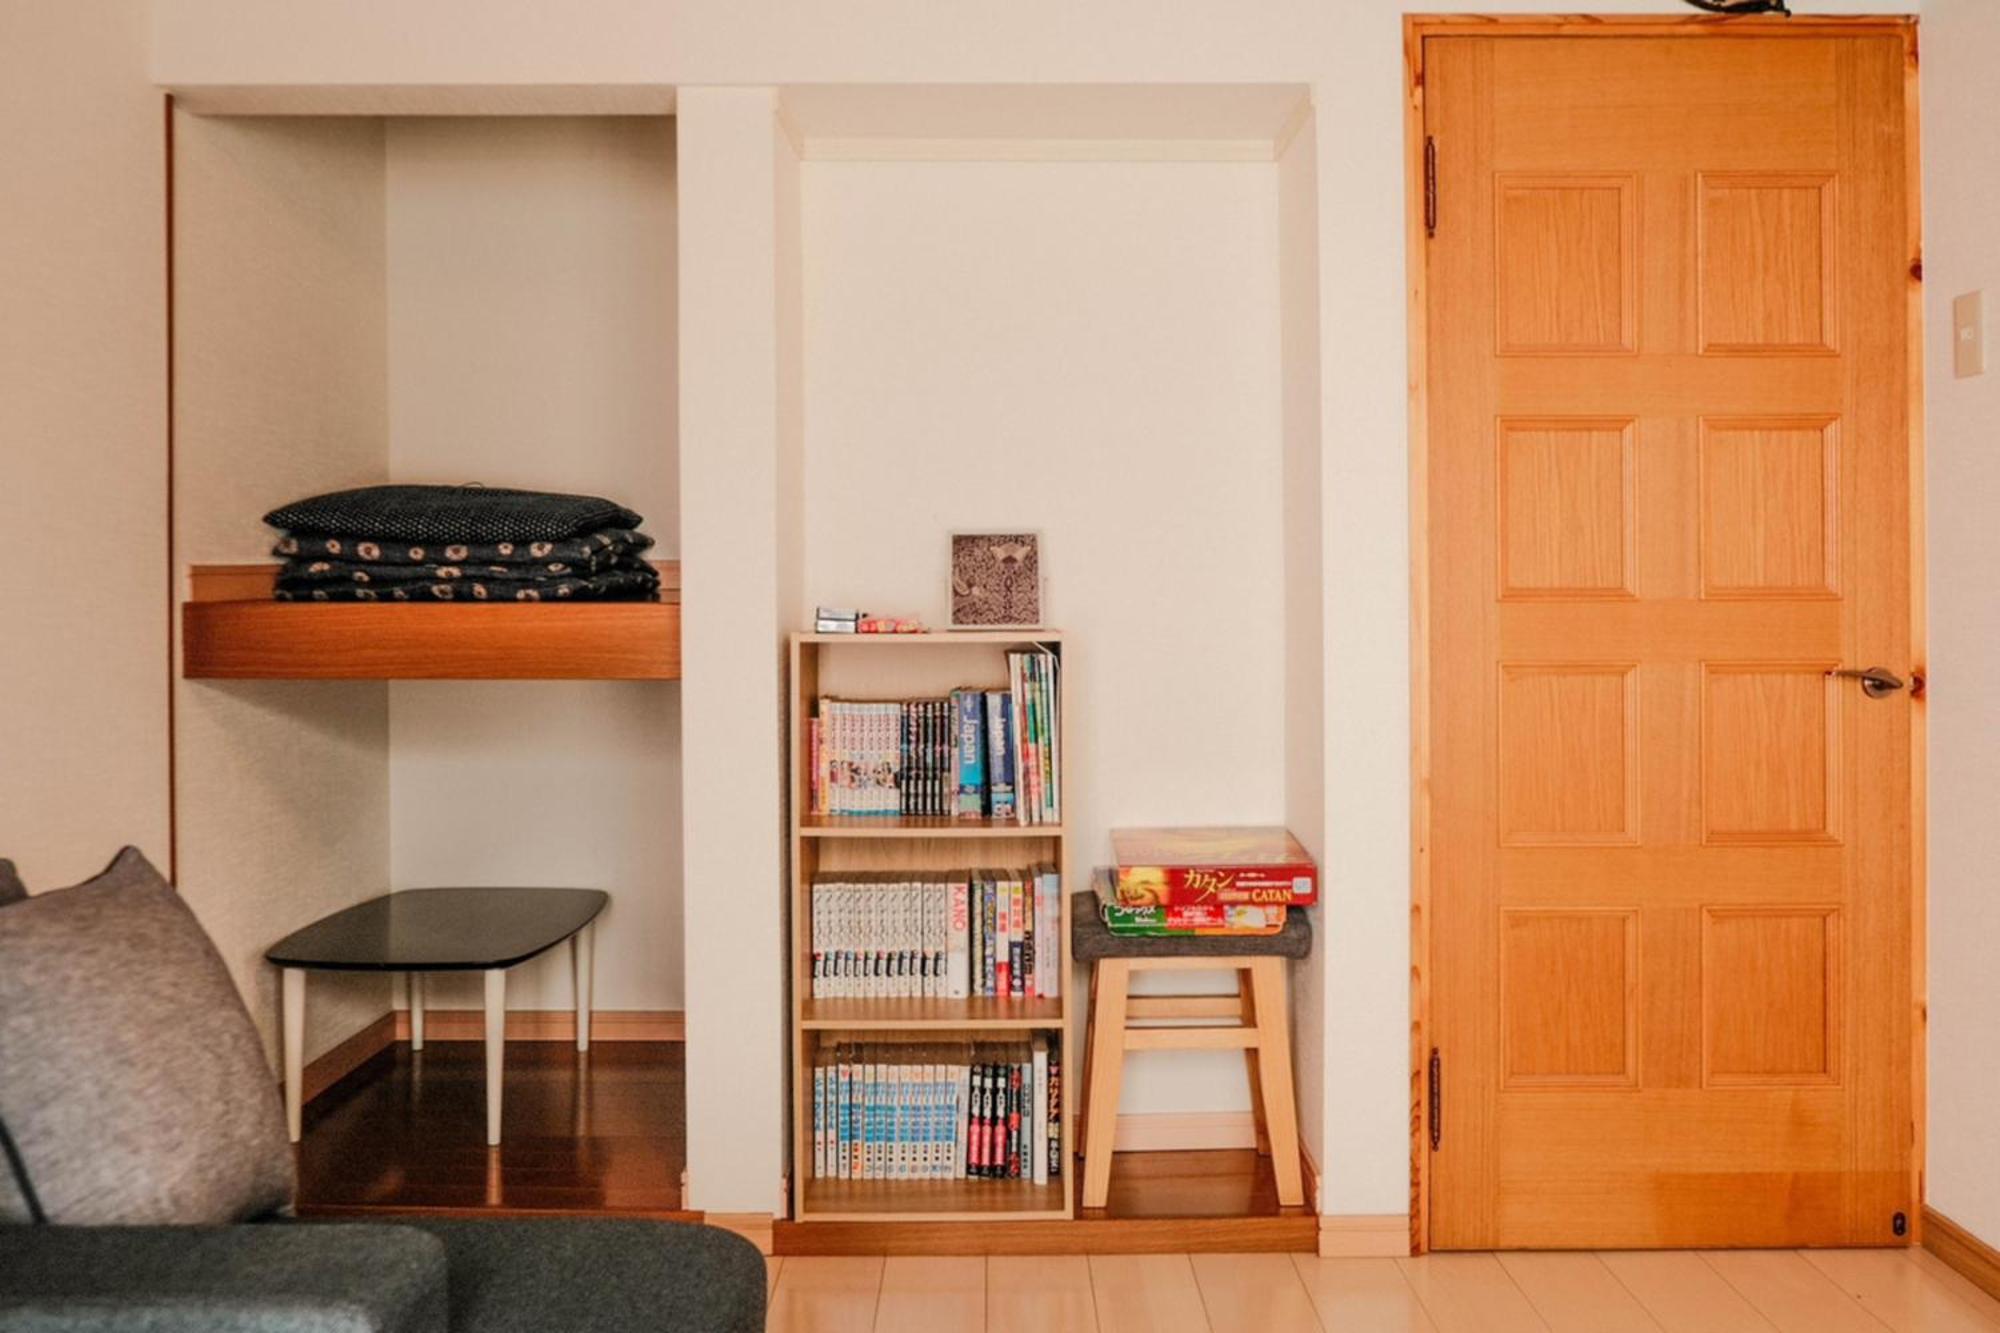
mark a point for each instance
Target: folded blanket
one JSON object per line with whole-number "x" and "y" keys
{"x": 308, "y": 574}
{"x": 590, "y": 552}
{"x": 618, "y": 585}
{"x": 446, "y": 514}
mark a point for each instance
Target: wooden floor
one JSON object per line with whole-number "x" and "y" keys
{"x": 603, "y": 1132}
{"x": 1762, "y": 1291}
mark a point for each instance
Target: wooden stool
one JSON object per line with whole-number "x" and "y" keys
{"x": 1259, "y": 1024}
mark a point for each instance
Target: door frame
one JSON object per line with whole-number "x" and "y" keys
{"x": 1416, "y": 28}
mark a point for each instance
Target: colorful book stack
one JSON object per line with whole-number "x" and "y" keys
{"x": 1204, "y": 881}
{"x": 956, "y": 934}
{"x": 976, "y": 754}
{"x": 938, "y": 1110}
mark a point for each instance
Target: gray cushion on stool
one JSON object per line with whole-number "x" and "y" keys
{"x": 599, "y": 1275}
{"x": 1090, "y": 939}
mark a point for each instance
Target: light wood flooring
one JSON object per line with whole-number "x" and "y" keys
{"x": 1761, "y": 1291}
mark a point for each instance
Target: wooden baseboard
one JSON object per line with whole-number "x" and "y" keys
{"x": 1291, "y": 1232}
{"x": 337, "y": 1063}
{"x": 549, "y": 1025}
{"x": 1183, "y": 1131}
{"x": 1364, "y": 1236}
{"x": 753, "y": 1227}
{"x": 1969, "y": 1256}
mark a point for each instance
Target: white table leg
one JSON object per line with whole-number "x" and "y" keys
{"x": 496, "y": 1041}
{"x": 580, "y": 962}
{"x": 416, "y": 1011}
{"x": 294, "y": 1014}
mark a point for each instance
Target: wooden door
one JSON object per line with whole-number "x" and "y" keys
{"x": 1669, "y": 856}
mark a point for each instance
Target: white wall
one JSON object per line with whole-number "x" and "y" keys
{"x": 1350, "y": 52}
{"x": 1089, "y": 350}
{"x": 1305, "y": 590}
{"x": 83, "y": 540}
{"x": 283, "y": 786}
{"x": 531, "y": 318}
{"x": 1961, "y": 46}
{"x": 739, "y": 506}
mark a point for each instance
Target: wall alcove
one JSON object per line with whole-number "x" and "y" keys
{"x": 359, "y": 299}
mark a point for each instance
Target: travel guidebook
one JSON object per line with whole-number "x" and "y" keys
{"x": 1225, "y": 866}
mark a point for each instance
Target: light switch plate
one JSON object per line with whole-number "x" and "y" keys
{"x": 1968, "y": 335}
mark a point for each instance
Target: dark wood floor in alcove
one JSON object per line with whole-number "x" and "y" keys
{"x": 1215, "y": 1183}
{"x": 599, "y": 1132}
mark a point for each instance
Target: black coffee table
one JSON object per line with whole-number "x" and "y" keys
{"x": 439, "y": 930}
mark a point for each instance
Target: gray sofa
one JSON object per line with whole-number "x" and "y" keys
{"x": 145, "y": 1178}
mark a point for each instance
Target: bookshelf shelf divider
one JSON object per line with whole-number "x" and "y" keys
{"x": 884, "y": 667}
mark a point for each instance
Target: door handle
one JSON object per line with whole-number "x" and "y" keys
{"x": 1876, "y": 682}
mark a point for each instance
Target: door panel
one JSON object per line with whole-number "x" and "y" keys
{"x": 1668, "y": 434}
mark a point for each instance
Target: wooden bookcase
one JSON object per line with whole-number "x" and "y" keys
{"x": 866, "y": 666}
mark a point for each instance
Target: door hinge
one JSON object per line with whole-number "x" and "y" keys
{"x": 1430, "y": 186}
{"x": 1437, "y": 1099}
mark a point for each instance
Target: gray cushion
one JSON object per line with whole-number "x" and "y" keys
{"x": 600, "y": 1275}
{"x": 135, "y": 1083}
{"x": 246, "y": 1279}
{"x": 1090, "y": 939}
{"x": 12, "y": 890}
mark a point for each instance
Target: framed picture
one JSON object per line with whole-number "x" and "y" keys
{"x": 996, "y": 580}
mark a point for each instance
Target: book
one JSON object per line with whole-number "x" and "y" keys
{"x": 1225, "y": 865}
{"x": 956, "y": 934}
{"x": 1038, "y": 1104}
{"x": 969, "y": 716}
{"x": 1035, "y": 743}
{"x": 1000, "y": 752}
{"x": 977, "y": 753}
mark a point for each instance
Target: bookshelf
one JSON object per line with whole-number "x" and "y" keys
{"x": 865, "y": 666}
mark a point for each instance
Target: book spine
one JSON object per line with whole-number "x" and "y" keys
{"x": 1017, "y": 940}
{"x": 819, "y": 1118}
{"x": 975, "y": 1155}
{"x": 906, "y": 771}
{"x": 1016, "y": 1100}
{"x": 1003, "y": 941}
{"x": 1052, "y": 690}
{"x": 1038, "y": 1103}
{"x": 1055, "y": 1109}
{"x": 1051, "y": 902}
{"x": 999, "y": 751}
{"x": 842, "y": 1094}
{"x": 958, "y": 959}
{"x": 961, "y": 1121}
{"x": 971, "y": 733}
{"x": 987, "y": 961}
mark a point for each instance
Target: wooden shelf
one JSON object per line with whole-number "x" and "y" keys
{"x": 925, "y": 1015}
{"x": 356, "y": 641}
{"x": 942, "y": 638}
{"x": 919, "y": 826}
{"x": 228, "y": 632}
{"x": 933, "y": 1200}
